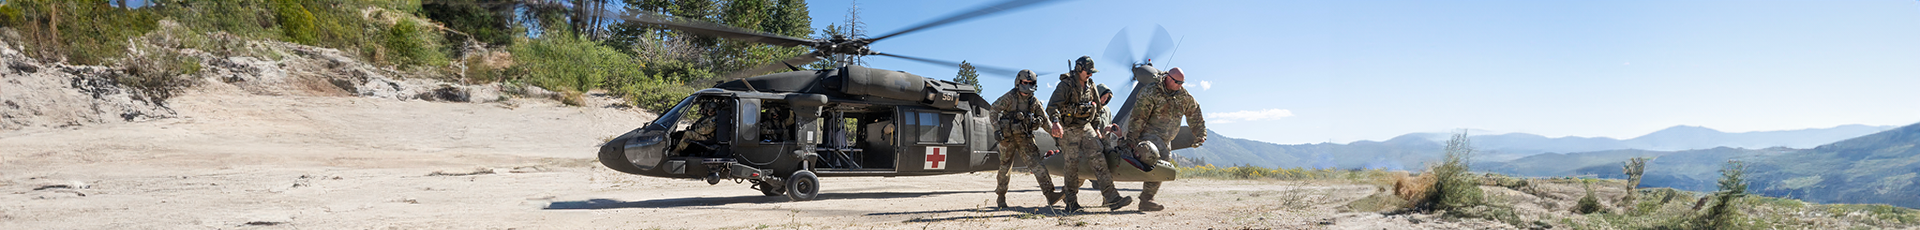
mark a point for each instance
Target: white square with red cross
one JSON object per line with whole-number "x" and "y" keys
{"x": 936, "y": 157}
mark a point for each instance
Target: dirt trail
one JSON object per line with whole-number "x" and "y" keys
{"x": 238, "y": 160}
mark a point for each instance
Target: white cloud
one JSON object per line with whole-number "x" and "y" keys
{"x": 1248, "y": 115}
{"x": 1203, "y": 85}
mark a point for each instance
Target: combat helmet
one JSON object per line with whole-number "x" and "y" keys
{"x": 1085, "y": 63}
{"x": 1026, "y": 75}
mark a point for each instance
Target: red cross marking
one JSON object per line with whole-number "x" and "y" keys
{"x": 935, "y": 158}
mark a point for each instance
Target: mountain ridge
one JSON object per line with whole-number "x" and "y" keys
{"x": 1414, "y": 149}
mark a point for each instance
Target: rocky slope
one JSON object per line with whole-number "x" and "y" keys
{"x": 40, "y": 95}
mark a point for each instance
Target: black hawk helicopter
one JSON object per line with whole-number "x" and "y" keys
{"x": 782, "y": 131}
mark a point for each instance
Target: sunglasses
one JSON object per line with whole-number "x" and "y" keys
{"x": 1179, "y": 82}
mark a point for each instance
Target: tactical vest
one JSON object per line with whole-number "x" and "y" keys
{"x": 1082, "y": 109}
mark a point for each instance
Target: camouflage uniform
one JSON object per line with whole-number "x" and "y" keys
{"x": 1105, "y": 117}
{"x": 1156, "y": 119}
{"x": 1019, "y": 114}
{"x": 1074, "y": 104}
{"x": 701, "y": 131}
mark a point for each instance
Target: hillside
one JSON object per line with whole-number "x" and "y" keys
{"x": 1693, "y": 170}
{"x": 1877, "y": 168}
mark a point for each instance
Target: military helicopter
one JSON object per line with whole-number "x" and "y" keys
{"x": 782, "y": 131}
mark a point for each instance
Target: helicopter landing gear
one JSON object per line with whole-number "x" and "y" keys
{"x": 803, "y": 186}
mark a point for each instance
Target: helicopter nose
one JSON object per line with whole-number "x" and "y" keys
{"x": 635, "y": 152}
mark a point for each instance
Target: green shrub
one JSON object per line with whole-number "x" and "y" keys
{"x": 1587, "y": 204}
{"x": 10, "y": 16}
{"x": 1454, "y": 186}
{"x": 296, "y": 22}
{"x": 86, "y": 32}
{"x": 654, "y": 94}
{"x": 252, "y": 19}
{"x": 474, "y": 19}
{"x": 158, "y": 75}
{"x": 409, "y": 43}
{"x": 570, "y": 63}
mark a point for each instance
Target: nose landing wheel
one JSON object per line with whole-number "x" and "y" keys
{"x": 803, "y": 186}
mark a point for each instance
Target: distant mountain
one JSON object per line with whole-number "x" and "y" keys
{"x": 1879, "y": 168}
{"x": 1882, "y": 167}
{"x": 1398, "y": 153}
{"x": 1696, "y": 137}
{"x": 1511, "y": 146}
{"x": 1415, "y": 149}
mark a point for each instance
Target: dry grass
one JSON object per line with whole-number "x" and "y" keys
{"x": 1412, "y": 188}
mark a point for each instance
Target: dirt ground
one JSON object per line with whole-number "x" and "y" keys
{"x": 234, "y": 160}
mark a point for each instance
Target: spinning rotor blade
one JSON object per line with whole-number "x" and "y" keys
{"x": 1120, "y": 50}
{"x": 1162, "y": 43}
{"x": 984, "y": 70}
{"x": 967, "y": 15}
{"x": 712, "y": 29}
{"x": 801, "y": 60}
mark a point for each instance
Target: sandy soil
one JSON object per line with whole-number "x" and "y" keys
{"x": 238, "y": 160}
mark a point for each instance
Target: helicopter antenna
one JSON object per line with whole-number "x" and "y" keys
{"x": 1176, "y": 50}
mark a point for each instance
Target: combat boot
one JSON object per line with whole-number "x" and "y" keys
{"x": 1149, "y": 206}
{"x": 1073, "y": 204}
{"x": 1003, "y": 200}
{"x": 1052, "y": 197}
{"x": 1116, "y": 204}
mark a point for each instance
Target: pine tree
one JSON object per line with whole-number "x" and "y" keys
{"x": 1633, "y": 168}
{"x": 968, "y": 76}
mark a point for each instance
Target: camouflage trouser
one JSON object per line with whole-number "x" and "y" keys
{"x": 1082, "y": 147}
{"x": 1161, "y": 145}
{"x": 1017, "y": 148}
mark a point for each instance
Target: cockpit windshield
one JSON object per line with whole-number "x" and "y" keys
{"x": 673, "y": 115}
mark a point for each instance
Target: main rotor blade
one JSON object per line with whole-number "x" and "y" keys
{"x": 968, "y": 15}
{"x": 1162, "y": 43}
{"x": 801, "y": 60}
{"x": 713, "y": 29}
{"x": 984, "y": 70}
{"x": 1120, "y": 50}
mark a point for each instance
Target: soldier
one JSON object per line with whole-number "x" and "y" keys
{"x": 1104, "y": 120}
{"x": 1074, "y": 105}
{"x": 1156, "y": 119}
{"x": 1019, "y": 114}
{"x": 702, "y": 130}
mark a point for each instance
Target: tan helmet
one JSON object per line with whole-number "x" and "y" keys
{"x": 1026, "y": 75}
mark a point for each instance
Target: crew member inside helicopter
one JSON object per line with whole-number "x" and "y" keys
{"x": 700, "y": 139}
{"x": 776, "y": 124}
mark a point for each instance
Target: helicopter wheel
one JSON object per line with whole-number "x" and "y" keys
{"x": 770, "y": 188}
{"x": 803, "y": 186}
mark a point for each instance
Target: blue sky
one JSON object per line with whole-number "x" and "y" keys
{"x": 1341, "y": 71}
